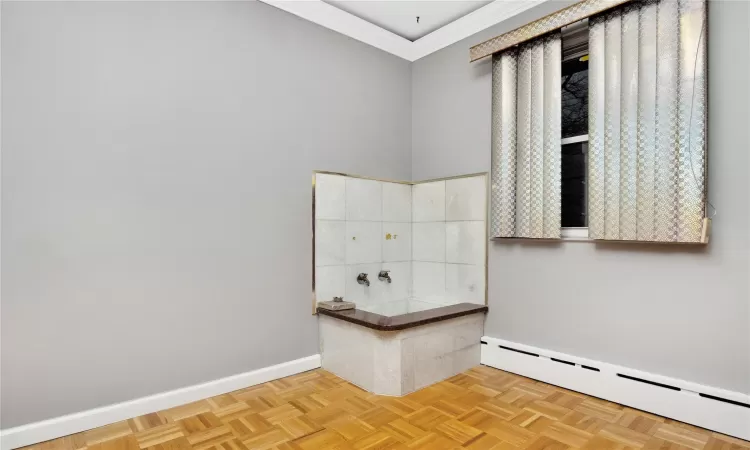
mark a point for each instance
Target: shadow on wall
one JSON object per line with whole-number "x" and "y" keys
{"x": 482, "y": 68}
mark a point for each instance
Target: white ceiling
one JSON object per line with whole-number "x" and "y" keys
{"x": 385, "y": 23}
{"x": 400, "y": 17}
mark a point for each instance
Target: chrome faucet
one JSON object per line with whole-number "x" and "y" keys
{"x": 362, "y": 279}
{"x": 384, "y": 276}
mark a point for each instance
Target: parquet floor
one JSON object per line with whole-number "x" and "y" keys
{"x": 482, "y": 408}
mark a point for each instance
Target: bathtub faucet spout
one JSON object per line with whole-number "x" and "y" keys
{"x": 384, "y": 276}
{"x": 362, "y": 279}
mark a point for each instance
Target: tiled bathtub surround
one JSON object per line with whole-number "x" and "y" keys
{"x": 399, "y": 362}
{"x": 449, "y": 240}
{"x": 396, "y": 202}
{"x": 361, "y": 226}
{"x": 378, "y": 291}
{"x": 430, "y": 236}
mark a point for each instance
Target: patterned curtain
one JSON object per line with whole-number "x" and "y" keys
{"x": 647, "y": 122}
{"x": 526, "y": 140}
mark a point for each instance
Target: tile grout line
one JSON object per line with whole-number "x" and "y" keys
{"x": 346, "y": 254}
{"x": 445, "y": 243}
{"x": 412, "y": 204}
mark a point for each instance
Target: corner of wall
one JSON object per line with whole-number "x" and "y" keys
{"x": 411, "y": 121}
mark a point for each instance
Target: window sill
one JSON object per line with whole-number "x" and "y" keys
{"x": 575, "y": 234}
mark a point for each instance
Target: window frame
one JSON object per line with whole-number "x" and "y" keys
{"x": 576, "y": 233}
{"x": 575, "y": 45}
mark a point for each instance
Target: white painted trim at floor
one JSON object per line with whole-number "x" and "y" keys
{"x": 333, "y": 18}
{"x": 85, "y": 420}
{"x": 685, "y": 405}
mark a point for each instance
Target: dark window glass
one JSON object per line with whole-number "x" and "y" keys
{"x": 573, "y": 188}
{"x": 575, "y": 97}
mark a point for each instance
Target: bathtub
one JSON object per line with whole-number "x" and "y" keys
{"x": 397, "y": 347}
{"x": 398, "y": 307}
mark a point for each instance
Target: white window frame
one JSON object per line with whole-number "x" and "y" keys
{"x": 575, "y": 233}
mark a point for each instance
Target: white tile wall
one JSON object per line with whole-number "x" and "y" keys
{"x": 379, "y": 291}
{"x": 437, "y": 248}
{"x": 466, "y": 199}
{"x": 396, "y": 202}
{"x": 364, "y": 199}
{"x": 359, "y": 293}
{"x": 396, "y": 241}
{"x": 330, "y": 281}
{"x": 400, "y": 286}
{"x": 356, "y": 240}
{"x": 428, "y": 202}
{"x": 330, "y": 243}
{"x": 428, "y": 281}
{"x": 330, "y": 192}
{"x": 428, "y": 241}
{"x": 464, "y": 283}
{"x": 363, "y": 242}
{"x": 453, "y": 232}
{"x": 465, "y": 242}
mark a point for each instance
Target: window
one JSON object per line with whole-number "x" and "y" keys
{"x": 575, "y": 97}
{"x": 574, "y": 127}
{"x": 605, "y": 168}
{"x": 573, "y": 178}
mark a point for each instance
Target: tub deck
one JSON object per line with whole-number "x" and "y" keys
{"x": 405, "y": 321}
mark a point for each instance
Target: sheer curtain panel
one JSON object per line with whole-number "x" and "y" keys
{"x": 526, "y": 140}
{"x": 647, "y": 122}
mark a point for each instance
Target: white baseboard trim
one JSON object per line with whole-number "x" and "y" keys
{"x": 677, "y": 399}
{"x": 85, "y": 420}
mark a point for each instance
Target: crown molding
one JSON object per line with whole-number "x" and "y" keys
{"x": 323, "y": 14}
{"x": 472, "y": 23}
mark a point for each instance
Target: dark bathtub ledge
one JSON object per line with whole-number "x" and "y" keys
{"x": 404, "y": 321}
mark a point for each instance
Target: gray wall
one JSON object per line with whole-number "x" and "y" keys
{"x": 156, "y": 201}
{"x": 677, "y": 311}
{"x": 156, "y": 173}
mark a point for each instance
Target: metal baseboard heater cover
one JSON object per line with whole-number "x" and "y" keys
{"x": 715, "y": 409}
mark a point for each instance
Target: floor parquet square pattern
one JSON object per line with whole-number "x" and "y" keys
{"x": 480, "y": 409}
